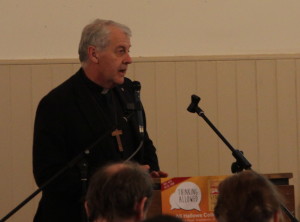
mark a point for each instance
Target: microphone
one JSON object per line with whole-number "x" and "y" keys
{"x": 138, "y": 104}
{"x": 194, "y": 104}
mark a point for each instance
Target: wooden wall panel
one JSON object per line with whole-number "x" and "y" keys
{"x": 227, "y": 112}
{"x": 21, "y": 136}
{"x": 247, "y": 110}
{"x": 208, "y": 141}
{"x": 131, "y": 72}
{"x": 41, "y": 80}
{"x": 166, "y": 116}
{"x": 145, "y": 73}
{"x": 252, "y": 100}
{"x": 61, "y": 72}
{"x": 268, "y": 157}
{"x": 297, "y": 175}
{"x": 6, "y": 166}
{"x": 185, "y": 76}
{"x": 287, "y": 116}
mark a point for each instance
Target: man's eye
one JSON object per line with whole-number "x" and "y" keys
{"x": 121, "y": 51}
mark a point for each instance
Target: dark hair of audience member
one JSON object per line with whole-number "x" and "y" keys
{"x": 248, "y": 197}
{"x": 113, "y": 195}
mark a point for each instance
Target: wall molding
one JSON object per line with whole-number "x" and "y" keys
{"x": 159, "y": 59}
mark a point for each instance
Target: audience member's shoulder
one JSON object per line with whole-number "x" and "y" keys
{"x": 164, "y": 218}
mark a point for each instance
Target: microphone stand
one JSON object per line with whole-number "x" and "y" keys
{"x": 70, "y": 164}
{"x": 83, "y": 167}
{"x": 241, "y": 162}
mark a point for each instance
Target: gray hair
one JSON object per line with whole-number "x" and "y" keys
{"x": 96, "y": 34}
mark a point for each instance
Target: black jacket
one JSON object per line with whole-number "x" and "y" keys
{"x": 68, "y": 121}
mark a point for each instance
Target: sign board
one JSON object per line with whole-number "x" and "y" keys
{"x": 190, "y": 198}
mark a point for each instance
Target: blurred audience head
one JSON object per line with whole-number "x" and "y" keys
{"x": 119, "y": 192}
{"x": 248, "y": 197}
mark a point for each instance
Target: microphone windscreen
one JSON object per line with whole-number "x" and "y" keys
{"x": 195, "y": 100}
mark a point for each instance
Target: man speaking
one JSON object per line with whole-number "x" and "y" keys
{"x": 73, "y": 116}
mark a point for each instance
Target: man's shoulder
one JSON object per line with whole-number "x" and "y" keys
{"x": 64, "y": 89}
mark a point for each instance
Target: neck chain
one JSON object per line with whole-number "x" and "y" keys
{"x": 111, "y": 103}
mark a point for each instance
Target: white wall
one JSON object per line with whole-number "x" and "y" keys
{"x": 51, "y": 28}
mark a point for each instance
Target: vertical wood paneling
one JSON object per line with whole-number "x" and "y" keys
{"x": 287, "y": 119}
{"x": 6, "y": 155}
{"x": 247, "y": 110}
{"x": 61, "y": 72}
{"x": 41, "y": 84}
{"x": 297, "y": 173}
{"x": 166, "y": 117}
{"x": 131, "y": 72}
{"x": 208, "y": 141}
{"x": 22, "y": 131}
{"x": 253, "y": 102}
{"x": 227, "y": 112}
{"x": 267, "y": 116}
{"x": 186, "y": 123}
{"x": 145, "y": 73}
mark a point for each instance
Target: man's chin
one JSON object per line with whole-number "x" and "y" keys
{"x": 119, "y": 81}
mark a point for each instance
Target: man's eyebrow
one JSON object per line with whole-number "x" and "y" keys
{"x": 126, "y": 48}
{"x": 125, "y": 45}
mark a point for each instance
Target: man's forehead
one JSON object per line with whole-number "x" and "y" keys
{"x": 118, "y": 34}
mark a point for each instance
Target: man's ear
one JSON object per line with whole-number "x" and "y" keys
{"x": 140, "y": 209}
{"x": 92, "y": 54}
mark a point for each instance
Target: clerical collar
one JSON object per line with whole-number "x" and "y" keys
{"x": 94, "y": 85}
{"x": 104, "y": 91}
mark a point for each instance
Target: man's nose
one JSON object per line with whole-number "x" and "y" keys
{"x": 127, "y": 59}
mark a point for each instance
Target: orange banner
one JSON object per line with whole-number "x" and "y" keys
{"x": 190, "y": 198}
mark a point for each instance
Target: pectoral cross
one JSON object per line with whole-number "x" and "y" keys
{"x": 117, "y": 134}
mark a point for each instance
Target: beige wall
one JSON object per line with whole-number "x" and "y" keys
{"x": 51, "y": 28}
{"x": 252, "y": 100}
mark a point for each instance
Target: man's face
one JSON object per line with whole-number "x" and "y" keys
{"x": 114, "y": 59}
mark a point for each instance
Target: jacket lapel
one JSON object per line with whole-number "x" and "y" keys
{"x": 94, "y": 114}
{"x": 89, "y": 107}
